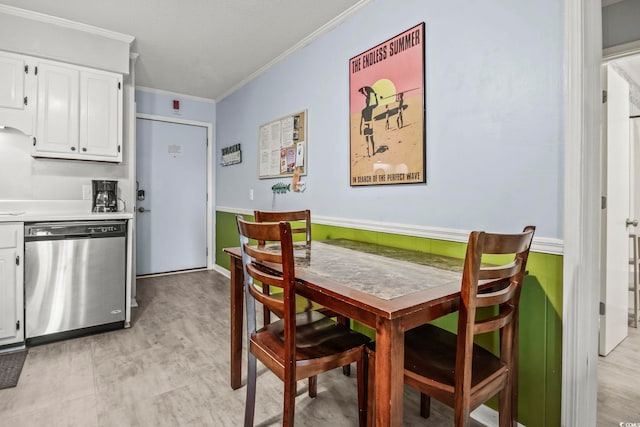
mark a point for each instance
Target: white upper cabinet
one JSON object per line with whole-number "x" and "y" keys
{"x": 16, "y": 100}
{"x": 58, "y": 116}
{"x": 71, "y": 112}
{"x": 100, "y": 112}
{"x": 12, "y": 70}
{"x": 79, "y": 113}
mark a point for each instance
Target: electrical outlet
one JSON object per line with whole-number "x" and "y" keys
{"x": 86, "y": 192}
{"x": 251, "y": 194}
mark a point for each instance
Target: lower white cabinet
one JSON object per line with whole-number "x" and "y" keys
{"x": 11, "y": 283}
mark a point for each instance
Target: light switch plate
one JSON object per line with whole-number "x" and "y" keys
{"x": 86, "y": 192}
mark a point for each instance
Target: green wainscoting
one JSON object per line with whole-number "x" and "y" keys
{"x": 540, "y": 312}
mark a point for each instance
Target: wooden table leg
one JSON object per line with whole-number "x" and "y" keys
{"x": 389, "y": 372}
{"x": 237, "y": 305}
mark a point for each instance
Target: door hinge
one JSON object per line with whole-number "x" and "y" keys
{"x": 17, "y": 259}
{"x": 604, "y": 96}
{"x": 17, "y": 325}
{"x": 602, "y": 309}
{"x": 26, "y": 100}
{"x": 603, "y": 202}
{"x": 118, "y": 85}
{"x": 26, "y": 69}
{"x": 118, "y": 148}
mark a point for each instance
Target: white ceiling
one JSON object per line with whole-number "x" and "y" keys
{"x": 203, "y": 48}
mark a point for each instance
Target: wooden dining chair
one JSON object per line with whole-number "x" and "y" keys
{"x": 298, "y": 216}
{"x": 299, "y": 345}
{"x": 303, "y": 220}
{"x": 450, "y": 367}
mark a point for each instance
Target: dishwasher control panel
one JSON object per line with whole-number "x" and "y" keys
{"x": 68, "y": 229}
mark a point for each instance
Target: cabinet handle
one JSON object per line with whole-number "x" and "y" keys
{"x": 73, "y": 148}
{"x": 84, "y": 149}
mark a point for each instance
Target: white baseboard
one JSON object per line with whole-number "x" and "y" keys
{"x": 226, "y": 273}
{"x": 487, "y": 416}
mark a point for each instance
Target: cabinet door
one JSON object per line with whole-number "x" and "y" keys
{"x": 57, "y": 121}
{"x": 12, "y": 72}
{"x": 100, "y": 108}
{"x": 17, "y": 92}
{"x": 11, "y": 283}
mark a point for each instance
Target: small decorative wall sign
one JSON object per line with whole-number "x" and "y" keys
{"x": 231, "y": 155}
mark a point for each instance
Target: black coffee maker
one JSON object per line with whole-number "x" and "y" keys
{"x": 105, "y": 196}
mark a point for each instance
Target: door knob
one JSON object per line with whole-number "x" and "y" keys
{"x": 632, "y": 222}
{"x": 141, "y": 209}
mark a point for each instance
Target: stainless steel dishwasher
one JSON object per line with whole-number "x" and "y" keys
{"x": 74, "y": 278}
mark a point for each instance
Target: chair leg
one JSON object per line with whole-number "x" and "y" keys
{"x": 425, "y": 405}
{"x": 505, "y": 414}
{"x": 288, "y": 410}
{"x": 370, "y": 381}
{"x": 345, "y": 321}
{"x": 361, "y": 369}
{"x": 250, "y": 403}
{"x": 461, "y": 415}
{"x": 313, "y": 386}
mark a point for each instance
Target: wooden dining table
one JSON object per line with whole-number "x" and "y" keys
{"x": 387, "y": 289}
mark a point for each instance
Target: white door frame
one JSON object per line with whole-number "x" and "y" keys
{"x": 581, "y": 224}
{"x": 210, "y": 176}
{"x": 582, "y": 172}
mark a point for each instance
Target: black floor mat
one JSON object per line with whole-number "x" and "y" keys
{"x": 10, "y": 368}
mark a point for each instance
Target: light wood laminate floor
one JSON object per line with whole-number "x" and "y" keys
{"x": 618, "y": 383}
{"x": 171, "y": 368}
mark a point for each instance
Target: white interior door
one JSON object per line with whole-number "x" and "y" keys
{"x": 171, "y": 222}
{"x": 616, "y": 184}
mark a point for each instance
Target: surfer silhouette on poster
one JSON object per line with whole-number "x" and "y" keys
{"x": 366, "y": 128}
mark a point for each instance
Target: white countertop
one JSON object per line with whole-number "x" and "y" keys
{"x": 53, "y": 210}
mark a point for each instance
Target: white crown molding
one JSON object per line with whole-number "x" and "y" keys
{"x": 61, "y": 22}
{"x": 540, "y": 244}
{"x": 302, "y": 43}
{"x": 178, "y": 95}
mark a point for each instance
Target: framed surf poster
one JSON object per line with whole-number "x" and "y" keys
{"x": 387, "y": 112}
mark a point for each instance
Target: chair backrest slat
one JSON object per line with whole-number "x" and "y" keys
{"x": 499, "y": 296}
{"x": 496, "y": 322}
{"x": 297, "y": 216}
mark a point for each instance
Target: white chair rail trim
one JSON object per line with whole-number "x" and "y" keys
{"x": 540, "y": 244}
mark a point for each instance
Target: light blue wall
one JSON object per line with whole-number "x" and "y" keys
{"x": 494, "y": 93}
